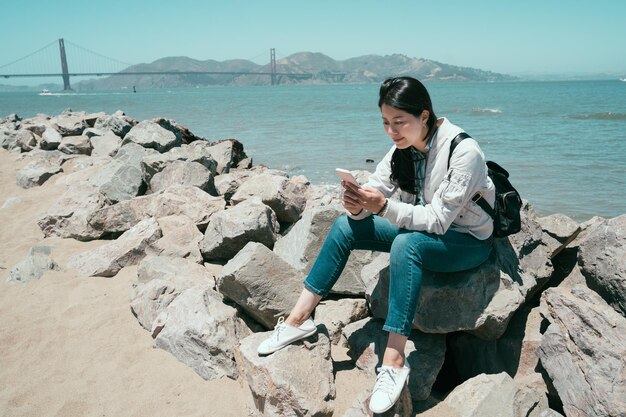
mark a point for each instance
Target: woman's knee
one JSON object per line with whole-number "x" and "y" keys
{"x": 408, "y": 245}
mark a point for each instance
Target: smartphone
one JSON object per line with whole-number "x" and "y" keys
{"x": 347, "y": 176}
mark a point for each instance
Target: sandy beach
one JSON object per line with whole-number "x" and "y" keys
{"x": 71, "y": 346}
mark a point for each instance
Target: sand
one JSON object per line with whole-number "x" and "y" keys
{"x": 71, "y": 346}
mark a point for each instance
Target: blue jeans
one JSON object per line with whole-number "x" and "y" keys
{"x": 410, "y": 252}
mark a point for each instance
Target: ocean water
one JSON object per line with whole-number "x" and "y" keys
{"x": 563, "y": 143}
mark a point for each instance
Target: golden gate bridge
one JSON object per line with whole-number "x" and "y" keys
{"x": 274, "y": 76}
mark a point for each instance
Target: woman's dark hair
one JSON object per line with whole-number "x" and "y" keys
{"x": 409, "y": 95}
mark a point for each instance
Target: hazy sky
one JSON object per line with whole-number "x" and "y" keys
{"x": 521, "y": 37}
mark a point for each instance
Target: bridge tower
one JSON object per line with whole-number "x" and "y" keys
{"x": 66, "y": 74}
{"x": 273, "y": 65}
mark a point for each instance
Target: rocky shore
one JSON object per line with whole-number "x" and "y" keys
{"x": 215, "y": 250}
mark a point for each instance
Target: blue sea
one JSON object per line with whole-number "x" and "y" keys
{"x": 563, "y": 143}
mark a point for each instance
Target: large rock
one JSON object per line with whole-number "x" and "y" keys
{"x": 480, "y": 300}
{"x": 150, "y": 135}
{"x": 560, "y": 227}
{"x": 425, "y": 353}
{"x": 26, "y": 140}
{"x": 202, "y": 332}
{"x": 160, "y": 279}
{"x": 287, "y": 197}
{"x": 118, "y": 182}
{"x": 73, "y": 145}
{"x": 227, "y": 184}
{"x": 36, "y": 263}
{"x": 181, "y": 238}
{"x": 106, "y": 144}
{"x": 50, "y": 140}
{"x": 184, "y": 173}
{"x": 337, "y": 314}
{"x": 493, "y": 396}
{"x": 129, "y": 249}
{"x": 118, "y": 124}
{"x": 177, "y": 200}
{"x": 69, "y": 216}
{"x": 602, "y": 259}
{"x": 230, "y": 230}
{"x": 302, "y": 244}
{"x": 70, "y": 124}
{"x": 36, "y": 172}
{"x": 584, "y": 352}
{"x": 295, "y": 381}
{"x": 8, "y": 136}
{"x": 227, "y": 153}
{"x": 261, "y": 283}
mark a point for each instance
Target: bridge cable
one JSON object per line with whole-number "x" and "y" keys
{"x": 29, "y": 55}
{"x": 100, "y": 55}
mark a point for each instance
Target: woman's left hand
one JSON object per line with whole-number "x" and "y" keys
{"x": 366, "y": 197}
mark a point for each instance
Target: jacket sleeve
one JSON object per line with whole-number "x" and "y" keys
{"x": 464, "y": 177}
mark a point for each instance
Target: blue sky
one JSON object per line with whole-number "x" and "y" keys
{"x": 521, "y": 37}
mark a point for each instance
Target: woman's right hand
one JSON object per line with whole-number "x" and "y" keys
{"x": 350, "y": 198}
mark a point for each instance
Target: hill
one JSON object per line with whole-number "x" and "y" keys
{"x": 324, "y": 69}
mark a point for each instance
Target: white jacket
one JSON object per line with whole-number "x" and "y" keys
{"x": 447, "y": 192}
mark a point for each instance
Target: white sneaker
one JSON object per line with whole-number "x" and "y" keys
{"x": 285, "y": 334}
{"x": 389, "y": 384}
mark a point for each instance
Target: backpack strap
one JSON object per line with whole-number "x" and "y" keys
{"x": 457, "y": 139}
{"x": 477, "y": 198}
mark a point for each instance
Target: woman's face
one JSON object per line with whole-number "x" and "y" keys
{"x": 405, "y": 129}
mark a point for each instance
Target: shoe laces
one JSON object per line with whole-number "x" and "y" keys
{"x": 385, "y": 380}
{"x": 280, "y": 326}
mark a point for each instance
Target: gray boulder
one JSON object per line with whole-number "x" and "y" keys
{"x": 560, "y": 227}
{"x": 50, "y": 140}
{"x": 230, "y": 230}
{"x": 425, "y": 353}
{"x": 150, "y": 135}
{"x": 119, "y": 180}
{"x": 70, "y": 123}
{"x": 105, "y": 145}
{"x": 184, "y": 173}
{"x": 287, "y": 197}
{"x": 227, "y": 153}
{"x": 202, "y": 332}
{"x": 261, "y": 283}
{"x": 337, "y": 314}
{"x": 36, "y": 263}
{"x": 25, "y": 140}
{"x": 160, "y": 279}
{"x": 177, "y": 200}
{"x": 181, "y": 238}
{"x": 129, "y": 249}
{"x": 602, "y": 260}
{"x": 227, "y": 184}
{"x": 36, "y": 172}
{"x": 583, "y": 351}
{"x": 8, "y": 136}
{"x": 69, "y": 215}
{"x": 72, "y": 145}
{"x": 494, "y": 396}
{"x": 295, "y": 381}
{"x": 117, "y": 124}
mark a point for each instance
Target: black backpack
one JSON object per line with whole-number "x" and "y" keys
{"x": 506, "y": 213}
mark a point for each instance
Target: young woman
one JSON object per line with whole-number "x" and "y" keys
{"x": 434, "y": 224}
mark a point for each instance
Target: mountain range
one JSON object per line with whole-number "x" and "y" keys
{"x": 306, "y": 67}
